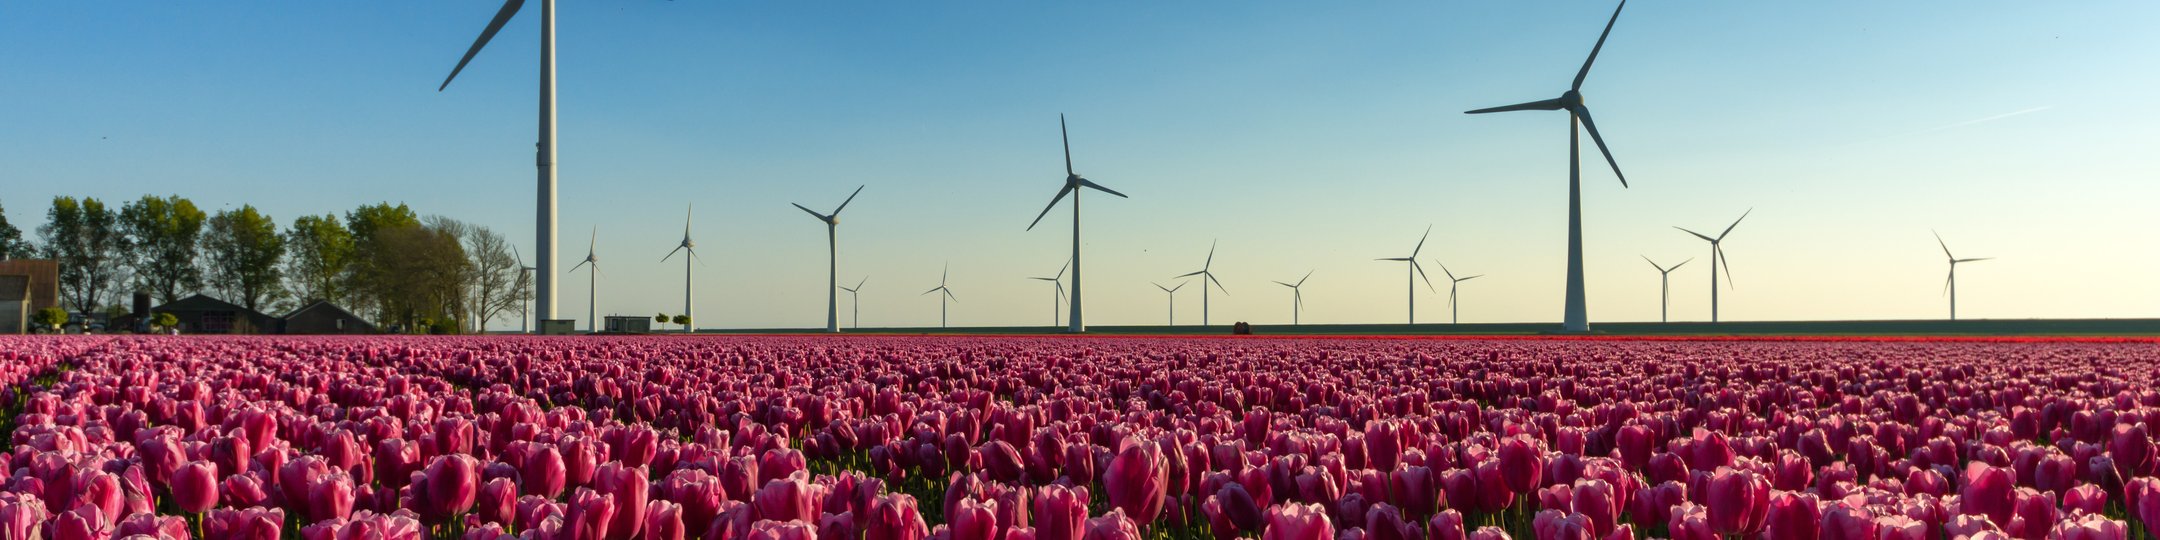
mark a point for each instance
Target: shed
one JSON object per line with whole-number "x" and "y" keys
{"x": 14, "y": 304}
{"x": 200, "y": 314}
{"x": 323, "y": 317}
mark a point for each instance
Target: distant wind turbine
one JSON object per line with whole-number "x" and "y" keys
{"x": 1297, "y": 296}
{"x": 1415, "y": 271}
{"x": 855, "y": 295}
{"x": 1206, "y": 277}
{"x": 1059, "y": 287}
{"x": 1173, "y": 299}
{"x": 1950, "y": 286}
{"x": 943, "y": 297}
{"x": 1577, "y": 316}
{"x": 832, "y": 261}
{"x": 1454, "y": 312}
{"x": 1717, "y": 258}
{"x": 689, "y": 247}
{"x": 1073, "y": 183}
{"x": 1665, "y": 285}
{"x": 544, "y": 159}
{"x": 525, "y": 274}
{"x": 592, "y": 286}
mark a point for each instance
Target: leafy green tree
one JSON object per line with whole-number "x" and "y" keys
{"x": 12, "y": 245}
{"x": 52, "y": 318}
{"x": 85, "y": 238}
{"x": 320, "y": 253}
{"x": 661, "y": 318}
{"x": 243, "y": 249}
{"x": 165, "y": 320}
{"x": 164, "y": 234}
{"x": 684, "y": 321}
{"x": 416, "y": 275}
{"x": 368, "y": 278}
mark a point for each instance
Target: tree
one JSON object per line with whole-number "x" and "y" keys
{"x": 368, "y": 224}
{"x": 12, "y": 245}
{"x": 165, "y": 320}
{"x": 321, "y": 253}
{"x": 85, "y": 238}
{"x": 661, "y": 318}
{"x": 51, "y": 318}
{"x": 243, "y": 250}
{"x": 497, "y": 283}
{"x": 163, "y": 234}
{"x": 417, "y": 272}
{"x": 683, "y": 320}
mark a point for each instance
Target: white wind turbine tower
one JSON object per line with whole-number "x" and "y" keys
{"x": 1415, "y": 272}
{"x": 1717, "y": 258}
{"x": 1172, "y": 291}
{"x": 544, "y": 154}
{"x": 1073, "y": 183}
{"x": 592, "y": 287}
{"x": 525, "y": 274}
{"x": 1297, "y": 296}
{"x": 1206, "y": 277}
{"x": 1060, "y": 291}
{"x": 832, "y": 248}
{"x": 1950, "y": 286}
{"x": 1664, "y": 285}
{"x": 1577, "y": 316}
{"x": 1454, "y": 312}
{"x": 942, "y": 297}
{"x": 691, "y": 248}
{"x": 855, "y": 295}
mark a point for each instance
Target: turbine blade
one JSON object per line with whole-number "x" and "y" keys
{"x": 1098, "y": 187}
{"x": 1469, "y": 278}
{"x": 1697, "y": 235}
{"x": 1067, "y": 139}
{"x": 932, "y": 290}
{"x": 948, "y": 294}
{"x": 1217, "y": 282}
{"x": 850, "y": 198}
{"x": 1193, "y": 274}
{"x": 1308, "y": 275}
{"x": 1974, "y": 260}
{"x": 1210, "y": 257}
{"x": 520, "y": 256}
{"x": 1421, "y": 242}
{"x": 502, "y": 16}
{"x": 1180, "y": 285}
{"x": 1580, "y": 75}
{"x": 1948, "y": 280}
{"x": 1682, "y": 263}
{"x": 1043, "y": 279}
{"x": 1444, "y": 270}
{"x": 1584, "y": 114}
{"x": 1539, "y": 105}
{"x": 1722, "y": 261}
{"x": 671, "y": 254}
{"x": 1735, "y": 223}
{"x": 1653, "y": 264}
{"x": 821, "y": 217}
{"x": 1159, "y": 286}
{"x": 1945, "y": 246}
{"x": 1061, "y": 270}
{"x": 1053, "y": 204}
{"x": 1396, "y": 259}
{"x": 575, "y": 267}
{"x": 1421, "y": 274}
{"x": 1285, "y": 284}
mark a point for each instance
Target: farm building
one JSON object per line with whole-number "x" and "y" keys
{"x": 201, "y": 314}
{"x": 14, "y": 304}
{"x": 321, "y": 317}
{"x": 40, "y": 282}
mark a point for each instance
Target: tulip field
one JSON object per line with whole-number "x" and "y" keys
{"x": 1072, "y": 438}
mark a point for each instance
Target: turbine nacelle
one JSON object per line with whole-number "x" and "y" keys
{"x": 1572, "y": 99}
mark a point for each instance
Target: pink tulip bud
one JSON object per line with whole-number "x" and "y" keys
{"x": 1136, "y": 480}
{"x": 1522, "y": 463}
{"x": 1298, "y": 522}
{"x": 195, "y": 487}
{"x": 1792, "y": 516}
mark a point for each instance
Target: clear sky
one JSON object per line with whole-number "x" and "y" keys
{"x": 1304, "y": 136}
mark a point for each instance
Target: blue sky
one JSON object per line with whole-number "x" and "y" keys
{"x": 1303, "y": 136}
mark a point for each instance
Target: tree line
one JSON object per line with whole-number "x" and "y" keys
{"x": 381, "y": 261}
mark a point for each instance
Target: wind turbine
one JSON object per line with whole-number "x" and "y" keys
{"x": 1297, "y": 296}
{"x": 1073, "y": 183}
{"x": 691, "y": 248}
{"x": 525, "y": 301}
{"x": 1415, "y": 272}
{"x": 544, "y": 154}
{"x": 1173, "y": 299}
{"x": 592, "y": 287}
{"x": 853, "y": 294}
{"x": 1665, "y": 284}
{"x": 1717, "y": 258}
{"x": 1950, "y": 286}
{"x": 1206, "y": 277}
{"x": 1060, "y": 288}
{"x": 943, "y": 297}
{"x": 1577, "y": 316}
{"x": 832, "y": 248}
{"x": 1454, "y": 312}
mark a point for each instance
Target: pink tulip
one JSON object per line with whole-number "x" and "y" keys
{"x": 782, "y": 530}
{"x": 497, "y": 502}
{"x": 1792, "y": 516}
{"x": 1635, "y": 445}
{"x": 1988, "y": 491}
{"x": 973, "y": 520}
{"x": 894, "y": 518}
{"x": 1446, "y": 525}
{"x": 544, "y": 472}
{"x": 83, "y": 523}
{"x": 21, "y": 517}
{"x": 589, "y": 514}
{"x": 1298, "y": 522}
{"x": 146, "y": 524}
{"x": 1384, "y": 522}
{"x": 1522, "y": 463}
{"x": 1734, "y": 497}
{"x": 1841, "y": 521}
{"x": 1900, "y": 528}
{"x": 2090, "y": 527}
{"x": 1061, "y": 512}
{"x": 1112, "y": 526}
{"x": 248, "y": 524}
{"x": 330, "y": 498}
{"x": 1691, "y": 522}
{"x": 195, "y": 487}
{"x": 448, "y": 488}
{"x": 1137, "y": 479}
{"x": 1489, "y": 533}
{"x": 1558, "y": 525}
{"x": 628, "y": 486}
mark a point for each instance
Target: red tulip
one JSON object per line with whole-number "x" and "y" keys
{"x": 1298, "y": 522}
{"x": 195, "y": 487}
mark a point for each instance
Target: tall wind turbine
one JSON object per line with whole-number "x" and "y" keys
{"x": 1073, "y": 183}
{"x": 943, "y": 297}
{"x": 1206, "y": 277}
{"x": 832, "y": 261}
{"x": 525, "y": 274}
{"x": 1454, "y": 312}
{"x": 1717, "y": 258}
{"x": 1060, "y": 288}
{"x": 592, "y": 287}
{"x": 855, "y": 295}
{"x": 1577, "y": 316}
{"x": 1664, "y": 285}
{"x": 1950, "y": 286}
{"x": 544, "y": 155}
{"x": 1415, "y": 272}
{"x": 691, "y": 248}
{"x": 1297, "y": 296}
{"x": 1172, "y": 291}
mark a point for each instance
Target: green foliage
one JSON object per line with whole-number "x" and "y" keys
{"x": 12, "y": 245}
{"x": 51, "y": 317}
{"x": 683, "y": 320}
{"x": 320, "y": 251}
{"x": 85, "y": 238}
{"x": 661, "y": 318}
{"x": 443, "y": 327}
{"x": 165, "y": 320}
{"x": 414, "y": 272}
{"x": 243, "y": 249}
{"x": 163, "y": 236}
{"x": 377, "y": 230}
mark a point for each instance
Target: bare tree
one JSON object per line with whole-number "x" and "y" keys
{"x": 496, "y": 280}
